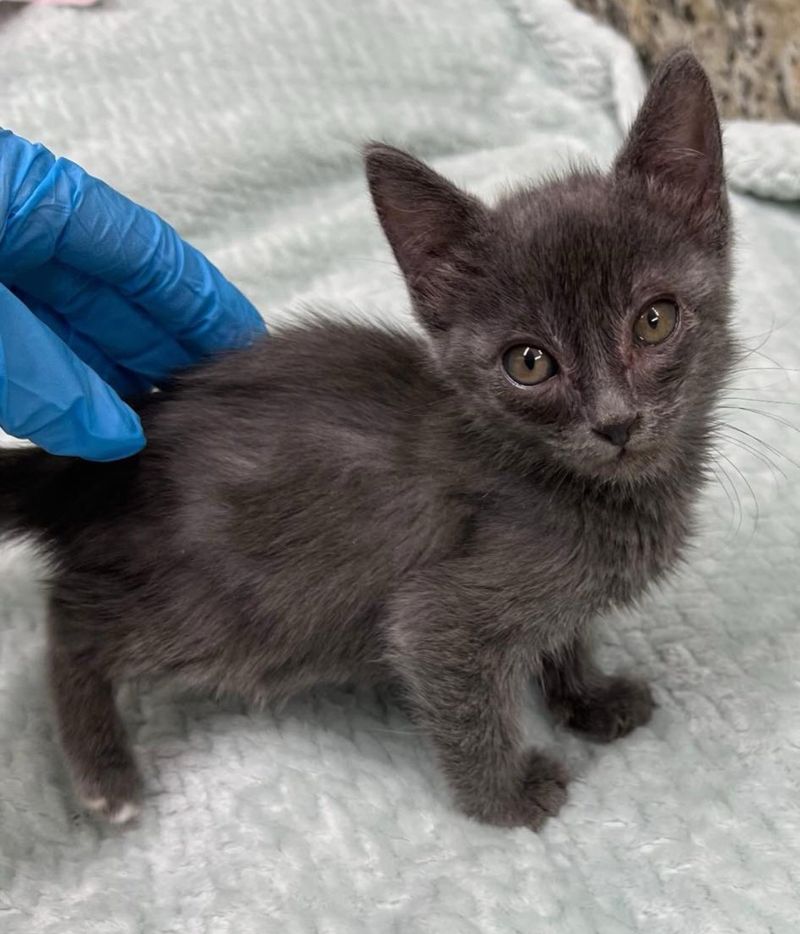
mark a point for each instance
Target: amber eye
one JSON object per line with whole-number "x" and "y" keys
{"x": 528, "y": 365}
{"x": 656, "y": 322}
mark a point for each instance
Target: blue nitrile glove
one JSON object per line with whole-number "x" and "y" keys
{"x": 99, "y": 298}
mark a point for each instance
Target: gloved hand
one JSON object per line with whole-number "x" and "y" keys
{"x": 99, "y": 298}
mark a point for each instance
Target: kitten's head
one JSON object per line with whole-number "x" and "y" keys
{"x": 583, "y": 321}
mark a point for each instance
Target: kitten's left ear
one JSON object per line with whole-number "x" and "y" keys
{"x": 675, "y": 140}
{"x": 429, "y": 223}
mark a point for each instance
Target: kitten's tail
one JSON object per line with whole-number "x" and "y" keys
{"x": 23, "y": 475}
{"x": 52, "y": 497}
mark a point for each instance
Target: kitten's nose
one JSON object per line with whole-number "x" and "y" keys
{"x": 617, "y": 432}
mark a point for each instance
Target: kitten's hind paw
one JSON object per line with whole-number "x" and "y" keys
{"x": 610, "y": 711}
{"x": 121, "y": 813}
{"x": 113, "y": 795}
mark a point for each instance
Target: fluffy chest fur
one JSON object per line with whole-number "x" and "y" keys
{"x": 556, "y": 557}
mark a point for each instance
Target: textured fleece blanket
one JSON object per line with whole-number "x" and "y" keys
{"x": 240, "y": 122}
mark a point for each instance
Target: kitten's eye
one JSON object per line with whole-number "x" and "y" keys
{"x": 528, "y": 365}
{"x": 656, "y": 322}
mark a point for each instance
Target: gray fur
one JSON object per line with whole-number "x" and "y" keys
{"x": 341, "y": 503}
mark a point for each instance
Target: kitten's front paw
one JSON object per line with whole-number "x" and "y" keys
{"x": 113, "y": 794}
{"x": 610, "y": 712}
{"x": 544, "y": 790}
{"x": 540, "y": 794}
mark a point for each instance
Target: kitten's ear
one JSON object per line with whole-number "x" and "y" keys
{"x": 675, "y": 139}
{"x": 428, "y": 222}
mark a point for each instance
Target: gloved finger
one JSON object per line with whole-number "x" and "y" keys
{"x": 125, "y": 382}
{"x": 51, "y": 397}
{"x": 54, "y": 209}
{"x": 124, "y": 332}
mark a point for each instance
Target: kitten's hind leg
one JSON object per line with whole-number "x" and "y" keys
{"x": 604, "y": 707}
{"x": 93, "y": 737}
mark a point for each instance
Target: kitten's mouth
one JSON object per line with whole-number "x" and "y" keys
{"x": 626, "y": 463}
{"x": 631, "y": 463}
{"x": 635, "y": 461}
{"x": 627, "y": 456}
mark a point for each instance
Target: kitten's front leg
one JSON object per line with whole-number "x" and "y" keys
{"x": 466, "y": 695}
{"x": 604, "y": 707}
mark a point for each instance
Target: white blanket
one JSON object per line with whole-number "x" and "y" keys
{"x": 240, "y": 122}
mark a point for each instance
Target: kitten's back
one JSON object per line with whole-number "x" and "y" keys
{"x": 335, "y": 393}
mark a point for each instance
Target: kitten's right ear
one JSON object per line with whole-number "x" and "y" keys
{"x": 428, "y": 222}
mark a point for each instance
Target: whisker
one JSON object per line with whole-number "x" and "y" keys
{"x": 764, "y": 337}
{"x": 766, "y": 444}
{"x": 747, "y": 484}
{"x": 760, "y": 441}
{"x": 760, "y": 353}
{"x": 737, "y": 442}
{"x": 763, "y": 387}
{"x": 738, "y": 512}
{"x": 718, "y": 474}
{"x": 769, "y": 401}
{"x": 772, "y": 415}
{"x": 768, "y": 369}
{"x": 781, "y": 385}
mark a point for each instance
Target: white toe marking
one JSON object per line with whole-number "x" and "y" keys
{"x": 95, "y": 804}
{"x": 126, "y": 813}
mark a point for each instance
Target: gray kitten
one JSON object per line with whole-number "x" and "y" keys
{"x": 447, "y": 514}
